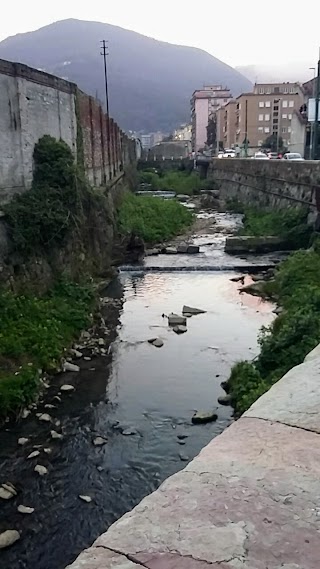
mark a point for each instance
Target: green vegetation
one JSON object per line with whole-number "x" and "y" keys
{"x": 290, "y": 337}
{"x": 42, "y": 216}
{"x": 152, "y": 219}
{"x": 34, "y": 332}
{"x": 289, "y": 224}
{"x": 180, "y": 181}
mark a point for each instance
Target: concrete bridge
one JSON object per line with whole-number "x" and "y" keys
{"x": 268, "y": 182}
{"x": 250, "y": 500}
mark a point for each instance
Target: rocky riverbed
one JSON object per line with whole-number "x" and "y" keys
{"x": 104, "y": 436}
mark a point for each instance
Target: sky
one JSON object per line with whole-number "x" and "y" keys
{"x": 237, "y": 32}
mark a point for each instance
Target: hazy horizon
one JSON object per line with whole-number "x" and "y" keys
{"x": 238, "y": 43}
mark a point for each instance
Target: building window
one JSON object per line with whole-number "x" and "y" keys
{"x": 290, "y": 117}
{"x": 291, "y": 90}
{"x": 260, "y": 128}
{"x": 266, "y": 117}
{"x": 268, "y": 104}
{"x": 284, "y": 104}
{"x": 284, "y": 129}
{"x": 260, "y": 117}
{"x": 261, "y": 90}
{"x": 276, "y": 90}
{"x": 285, "y": 90}
{"x": 260, "y": 142}
{"x": 268, "y": 90}
{"x": 289, "y": 128}
{"x": 284, "y": 116}
{"x": 261, "y": 104}
{"x": 291, "y": 103}
{"x": 266, "y": 129}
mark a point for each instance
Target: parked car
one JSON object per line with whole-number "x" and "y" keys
{"x": 229, "y": 153}
{"x": 260, "y": 156}
{"x": 293, "y": 156}
{"x": 274, "y": 155}
{"x": 220, "y": 154}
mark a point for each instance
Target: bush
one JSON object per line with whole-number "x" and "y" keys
{"x": 290, "y": 337}
{"x": 181, "y": 181}
{"x": 290, "y": 224}
{"x": 42, "y": 216}
{"x": 33, "y": 334}
{"x": 152, "y": 219}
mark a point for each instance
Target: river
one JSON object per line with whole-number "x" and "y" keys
{"x": 152, "y": 392}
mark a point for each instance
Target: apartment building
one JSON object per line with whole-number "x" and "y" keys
{"x": 226, "y": 125}
{"x": 204, "y": 104}
{"x": 266, "y": 111}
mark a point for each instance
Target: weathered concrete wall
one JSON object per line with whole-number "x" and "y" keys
{"x": 267, "y": 182}
{"x": 32, "y": 104}
{"x": 250, "y": 500}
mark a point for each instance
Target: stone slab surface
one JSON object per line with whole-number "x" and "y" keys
{"x": 101, "y": 558}
{"x": 250, "y": 500}
{"x": 295, "y": 399}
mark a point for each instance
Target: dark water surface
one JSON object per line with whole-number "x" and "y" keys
{"x": 153, "y": 391}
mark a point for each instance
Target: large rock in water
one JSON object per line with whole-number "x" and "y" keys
{"x": 204, "y": 417}
{"x": 237, "y": 245}
{"x": 176, "y": 320}
{"x": 193, "y": 311}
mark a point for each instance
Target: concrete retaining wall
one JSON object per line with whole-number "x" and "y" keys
{"x": 250, "y": 500}
{"x": 32, "y": 104}
{"x": 268, "y": 182}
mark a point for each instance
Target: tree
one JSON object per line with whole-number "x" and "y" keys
{"x": 273, "y": 143}
{"x": 212, "y": 132}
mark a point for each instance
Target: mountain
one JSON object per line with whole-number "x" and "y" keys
{"x": 292, "y": 71}
{"x": 150, "y": 81}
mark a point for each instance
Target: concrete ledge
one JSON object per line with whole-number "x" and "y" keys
{"x": 250, "y": 500}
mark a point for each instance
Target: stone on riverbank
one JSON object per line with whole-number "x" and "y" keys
{"x": 33, "y": 454}
{"x": 204, "y": 417}
{"x": 192, "y": 311}
{"x": 76, "y": 353}
{"x": 67, "y": 387}
{"x": 241, "y": 244}
{"x": 224, "y": 400}
{"x": 8, "y": 537}
{"x": 180, "y": 329}
{"x": 129, "y": 432}
{"x": 25, "y": 509}
{"x": 7, "y": 491}
{"x": 152, "y": 252}
{"x": 171, "y": 251}
{"x": 41, "y": 470}
{"x": 68, "y": 366}
{"x": 55, "y": 435}
{"x": 158, "y": 343}
{"x": 193, "y": 249}
{"x": 23, "y": 441}
{"x": 176, "y": 320}
{"x": 44, "y": 417}
{"x": 85, "y": 498}
{"x": 183, "y": 248}
{"x": 99, "y": 441}
{"x": 256, "y": 289}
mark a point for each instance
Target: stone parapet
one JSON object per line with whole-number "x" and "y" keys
{"x": 250, "y": 500}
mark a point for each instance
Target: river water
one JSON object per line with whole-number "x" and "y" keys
{"x": 152, "y": 392}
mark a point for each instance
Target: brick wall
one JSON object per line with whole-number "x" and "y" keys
{"x": 32, "y": 104}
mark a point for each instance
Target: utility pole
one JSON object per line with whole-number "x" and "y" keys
{"x": 104, "y": 52}
{"x": 316, "y": 119}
